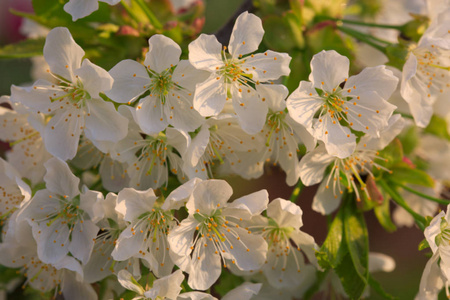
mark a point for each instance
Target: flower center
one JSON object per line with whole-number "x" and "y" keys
{"x": 161, "y": 84}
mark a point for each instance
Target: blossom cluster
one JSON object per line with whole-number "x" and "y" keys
{"x": 221, "y": 111}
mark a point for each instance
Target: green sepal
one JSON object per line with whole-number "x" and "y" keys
{"x": 23, "y": 49}
{"x": 423, "y": 245}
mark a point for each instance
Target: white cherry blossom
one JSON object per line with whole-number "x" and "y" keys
{"x": 362, "y": 160}
{"x": 74, "y": 102}
{"x": 426, "y": 71}
{"x": 211, "y": 235}
{"x": 22, "y": 130}
{"x": 234, "y": 74}
{"x": 169, "y": 81}
{"x": 330, "y": 111}
{"x": 58, "y": 217}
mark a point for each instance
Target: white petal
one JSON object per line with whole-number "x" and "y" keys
{"x": 178, "y": 197}
{"x": 95, "y": 79}
{"x": 82, "y": 242}
{"x": 181, "y": 238}
{"x": 251, "y": 111}
{"x": 150, "y": 115}
{"x": 126, "y": 280}
{"x": 52, "y": 241}
{"x": 303, "y": 104}
{"x": 36, "y": 97}
{"x": 248, "y": 206}
{"x": 129, "y": 244}
{"x": 163, "y": 53}
{"x": 59, "y": 179}
{"x": 132, "y": 203}
{"x": 285, "y": 213}
{"x": 210, "y": 96}
{"x": 206, "y": 266}
{"x": 246, "y": 36}
{"x": 314, "y": 164}
{"x": 80, "y": 8}
{"x": 104, "y": 123}
{"x": 62, "y": 53}
{"x": 61, "y": 137}
{"x": 180, "y": 113}
{"x": 186, "y": 76}
{"x": 195, "y": 296}
{"x": 208, "y": 196}
{"x": 166, "y": 287}
{"x": 306, "y": 243}
{"x": 130, "y": 81}
{"x": 328, "y": 70}
{"x": 274, "y": 95}
{"x": 243, "y": 292}
{"x": 269, "y": 65}
{"x": 377, "y": 79}
{"x": 205, "y": 53}
{"x": 92, "y": 203}
{"x": 431, "y": 282}
{"x": 324, "y": 201}
{"x": 72, "y": 289}
{"x": 380, "y": 262}
{"x": 197, "y": 147}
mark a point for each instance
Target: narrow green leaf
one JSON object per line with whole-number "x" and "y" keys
{"x": 423, "y": 245}
{"x": 353, "y": 282}
{"x": 23, "y": 49}
{"x": 383, "y": 214}
{"x": 438, "y": 127}
{"x": 332, "y": 252}
{"x": 377, "y": 287}
{"x": 404, "y": 173}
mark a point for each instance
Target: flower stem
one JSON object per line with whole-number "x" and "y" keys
{"x": 297, "y": 190}
{"x": 361, "y": 23}
{"x": 150, "y": 15}
{"x": 438, "y": 200}
{"x": 420, "y": 220}
{"x": 130, "y": 12}
{"x": 369, "y": 40}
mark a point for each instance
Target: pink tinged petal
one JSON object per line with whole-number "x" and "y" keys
{"x": 249, "y": 252}
{"x": 52, "y": 241}
{"x": 104, "y": 123}
{"x": 266, "y": 66}
{"x": 328, "y": 70}
{"x": 181, "y": 238}
{"x": 248, "y": 206}
{"x": 285, "y": 213}
{"x": 82, "y": 243}
{"x": 163, "y": 53}
{"x": 60, "y": 180}
{"x": 414, "y": 92}
{"x": 376, "y": 79}
{"x": 178, "y": 197}
{"x": 338, "y": 140}
{"x": 370, "y": 114}
{"x": 168, "y": 287}
{"x": 126, "y": 280}
{"x": 95, "y": 79}
{"x": 246, "y": 36}
{"x": 186, "y": 76}
{"x": 243, "y": 292}
{"x": 130, "y": 81}
{"x": 314, "y": 164}
{"x": 150, "y": 115}
{"x": 251, "y": 111}
{"x": 274, "y": 95}
{"x": 324, "y": 201}
{"x": 62, "y": 53}
{"x": 303, "y": 104}
{"x": 208, "y": 196}
{"x": 36, "y": 97}
{"x": 197, "y": 147}
{"x": 205, "y": 53}
{"x": 210, "y": 96}
{"x": 132, "y": 203}
{"x": 206, "y": 267}
{"x": 62, "y": 133}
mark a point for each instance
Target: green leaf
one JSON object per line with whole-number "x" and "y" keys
{"x": 278, "y": 35}
{"x": 332, "y": 250}
{"x": 423, "y": 245}
{"x": 377, "y": 287}
{"x": 392, "y": 153}
{"x": 438, "y": 127}
{"x": 383, "y": 214}
{"x": 404, "y": 173}
{"x": 23, "y": 49}
{"x": 397, "y": 55}
{"x": 354, "y": 284}
{"x": 409, "y": 140}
